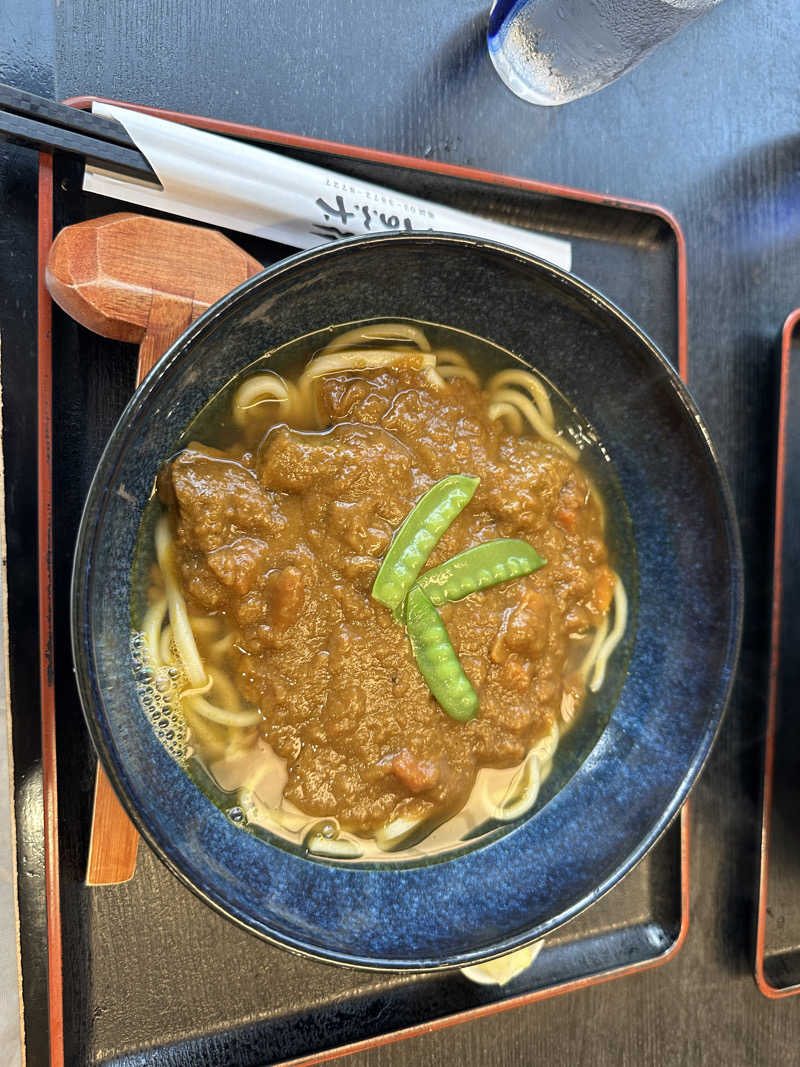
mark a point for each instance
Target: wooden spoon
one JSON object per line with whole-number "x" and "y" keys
{"x": 143, "y": 280}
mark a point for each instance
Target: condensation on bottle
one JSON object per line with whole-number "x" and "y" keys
{"x": 552, "y": 51}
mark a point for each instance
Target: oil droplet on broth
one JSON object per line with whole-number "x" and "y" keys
{"x": 158, "y": 696}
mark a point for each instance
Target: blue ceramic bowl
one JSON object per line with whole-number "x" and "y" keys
{"x": 614, "y": 796}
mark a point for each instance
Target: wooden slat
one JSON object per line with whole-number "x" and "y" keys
{"x": 114, "y": 841}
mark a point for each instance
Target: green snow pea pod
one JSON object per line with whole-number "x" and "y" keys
{"x": 437, "y": 659}
{"x": 418, "y": 536}
{"x": 478, "y": 568}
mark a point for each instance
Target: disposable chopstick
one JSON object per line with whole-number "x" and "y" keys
{"x": 34, "y": 122}
{"x": 18, "y": 102}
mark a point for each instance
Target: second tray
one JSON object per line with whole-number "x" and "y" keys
{"x": 778, "y": 926}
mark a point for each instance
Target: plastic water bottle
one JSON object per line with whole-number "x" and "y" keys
{"x": 553, "y": 51}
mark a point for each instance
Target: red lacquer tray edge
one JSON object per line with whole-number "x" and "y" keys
{"x": 766, "y": 987}
{"x": 48, "y": 722}
{"x": 46, "y": 646}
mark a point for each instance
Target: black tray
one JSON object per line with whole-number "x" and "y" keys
{"x": 150, "y": 974}
{"x": 778, "y": 930}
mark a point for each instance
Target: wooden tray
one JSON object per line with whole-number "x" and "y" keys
{"x": 143, "y": 973}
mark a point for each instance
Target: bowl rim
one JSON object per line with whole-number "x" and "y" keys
{"x": 86, "y": 541}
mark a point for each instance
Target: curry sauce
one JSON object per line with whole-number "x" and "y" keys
{"x": 282, "y": 538}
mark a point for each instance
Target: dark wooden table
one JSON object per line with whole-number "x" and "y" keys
{"x": 708, "y": 127}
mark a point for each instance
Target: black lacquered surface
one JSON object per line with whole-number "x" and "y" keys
{"x": 708, "y": 127}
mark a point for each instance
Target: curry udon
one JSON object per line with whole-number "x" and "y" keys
{"x": 261, "y": 652}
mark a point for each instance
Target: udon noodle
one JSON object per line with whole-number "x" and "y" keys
{"x": 183, "y": 659}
